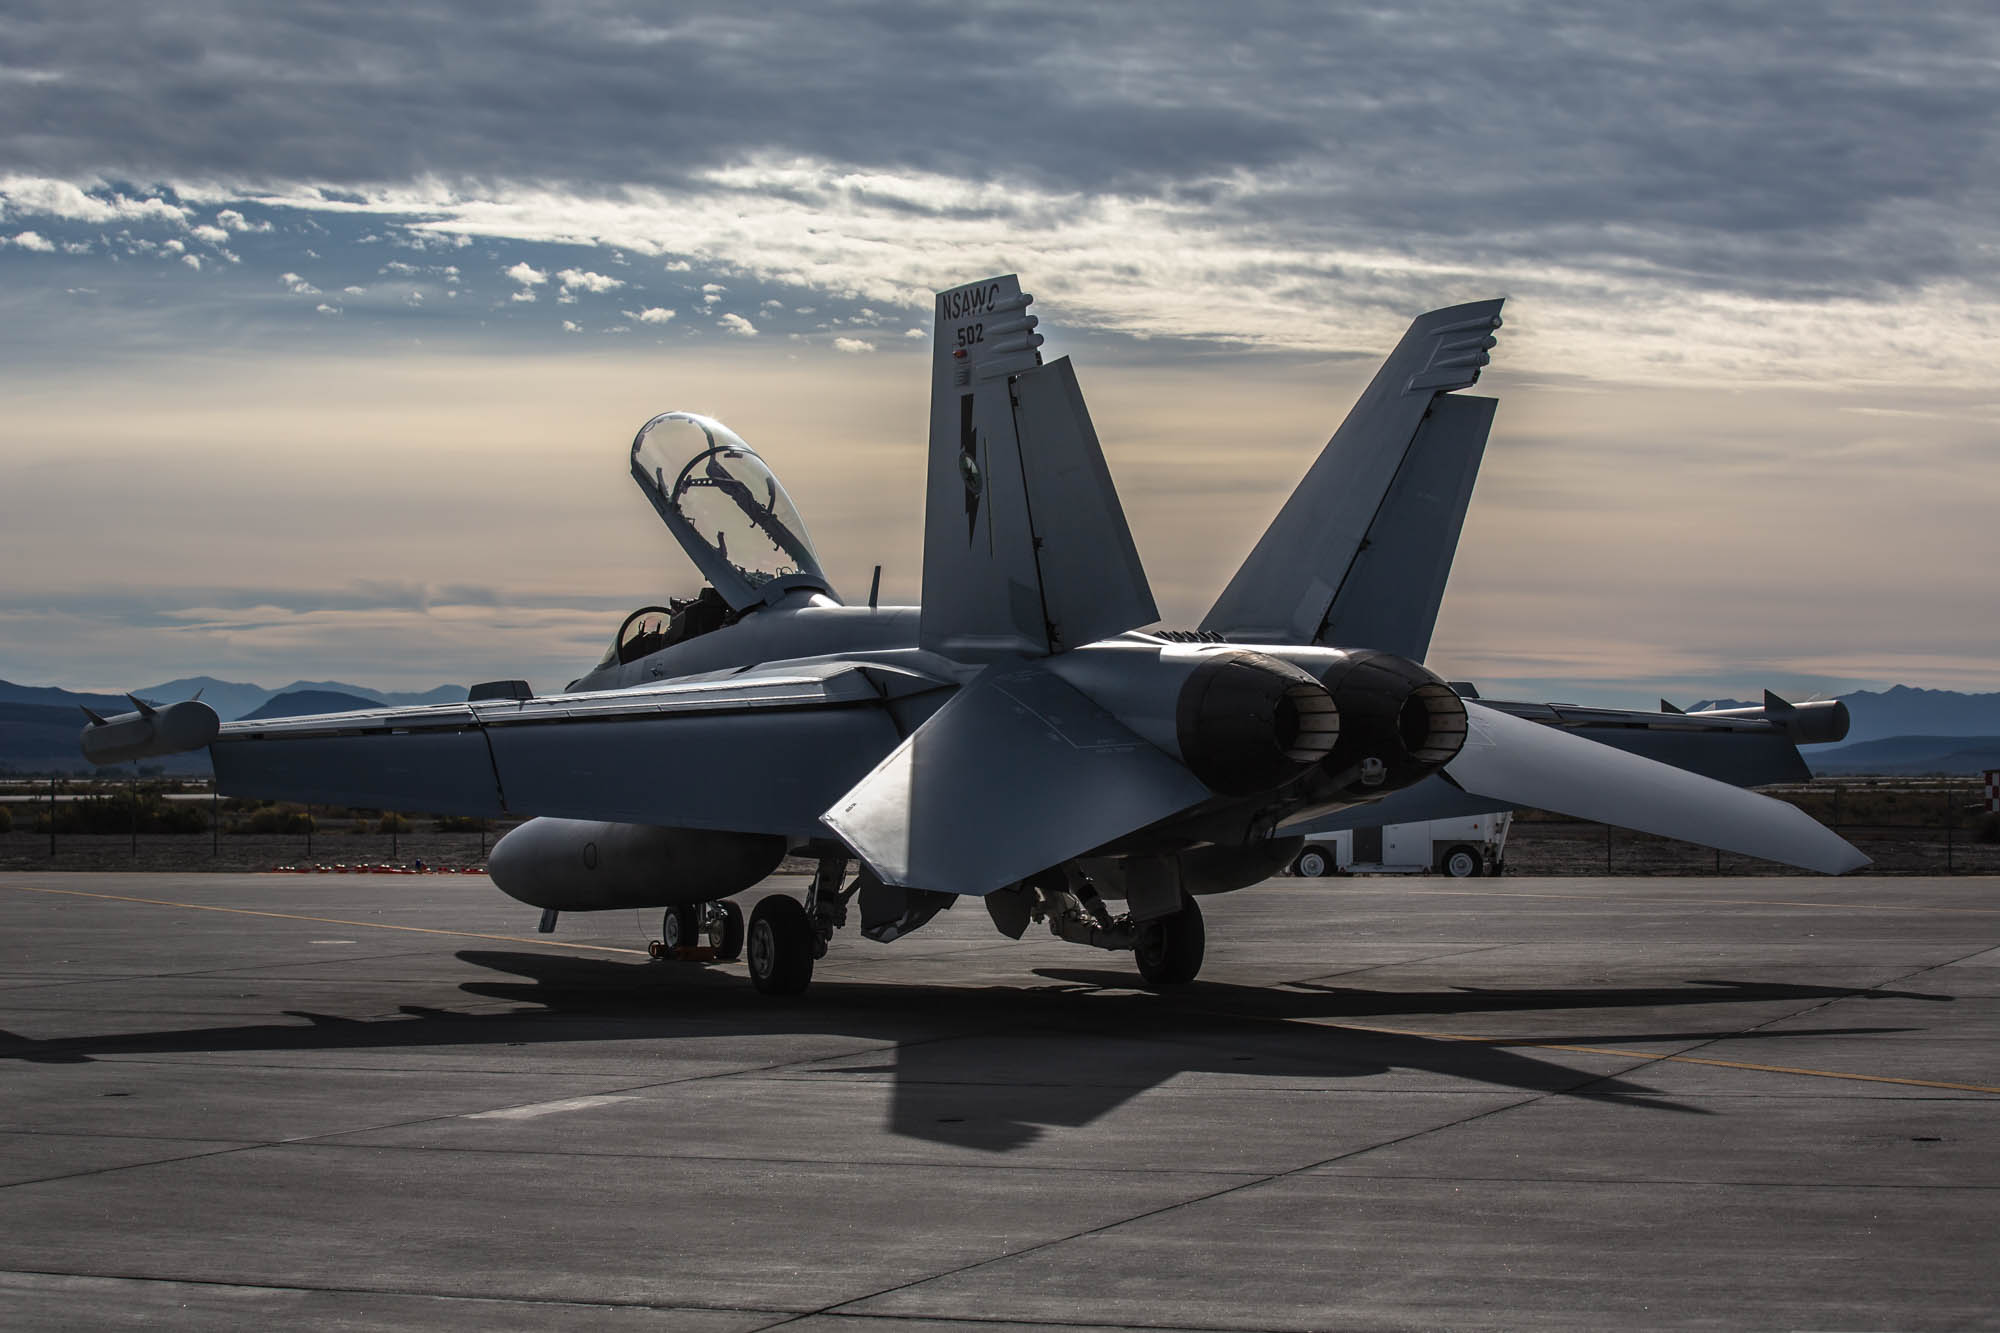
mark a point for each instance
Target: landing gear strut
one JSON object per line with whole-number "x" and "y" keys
{"x": 725, "y": 930}
{"x": 1168, "y": 947}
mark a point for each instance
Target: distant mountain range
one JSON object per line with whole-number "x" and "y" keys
{"x": 1902, "y": 730}
{"x": 1904, "y": 711}
{"x": 301, "y": 702}
{"x": 1959, "y": 755}
{"x": 232, "y": 699}
{"x": 39, "y": 724}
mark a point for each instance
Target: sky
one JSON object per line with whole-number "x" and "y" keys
{"x": 324, "y": 328}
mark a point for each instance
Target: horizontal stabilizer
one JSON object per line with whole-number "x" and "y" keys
{"x": 1527, "y": 764}
{"x": 1398, "y": 469}
{"x": 1019, "y": 772}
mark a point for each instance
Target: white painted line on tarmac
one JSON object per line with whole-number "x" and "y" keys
{"x": 537, "y": 1110}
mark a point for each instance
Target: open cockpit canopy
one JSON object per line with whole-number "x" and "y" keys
{"x": 726, "y": 508}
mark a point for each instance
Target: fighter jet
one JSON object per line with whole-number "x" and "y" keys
{"x": 1022, "y": 737}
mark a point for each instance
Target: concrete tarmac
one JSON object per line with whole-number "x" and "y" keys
{"x": 384, "y": 1102}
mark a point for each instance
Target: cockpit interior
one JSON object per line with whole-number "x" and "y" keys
{"x": 652, "y": 628}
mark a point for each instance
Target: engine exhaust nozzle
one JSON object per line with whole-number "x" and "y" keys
{"x": 1399, "y": 722}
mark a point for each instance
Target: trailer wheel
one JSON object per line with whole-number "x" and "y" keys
{"x": 1461, "y": 862}
{"x": 1313, "y": 862}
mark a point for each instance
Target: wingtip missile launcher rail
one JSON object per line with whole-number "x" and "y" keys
{"x": 150, "y": 731}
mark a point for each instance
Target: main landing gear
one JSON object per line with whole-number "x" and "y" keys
{"x": 782, "y": 940}
{"x": 787, "y": 937}
{"x": 782, "y": 946}
{"x": 1163, "y": 927}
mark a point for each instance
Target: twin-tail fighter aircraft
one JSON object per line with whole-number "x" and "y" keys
{"x": 1020, "y": 738}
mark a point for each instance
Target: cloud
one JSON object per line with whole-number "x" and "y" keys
{"x": 578, "y": 279}
{"x": 192, "y": 261}
{"x": 69, "y": 202}
{"x": 526, "y": 275}
{"x": 524, "y": 297}
{"x": 213, "y": 235}
{"x": 1303, "y": 181}
{"x": 232, "y": 220}
{"x": 737, "y": 325}
{"x": 30, "y": 240}
{"x": 652, "y": 314}
{"x": 571, "y": 326}
{"x": 326, "y": 309}
{"x": 855, "y": 345}
{"x": 297, "y": 285}
{"x": 915, "y": 333}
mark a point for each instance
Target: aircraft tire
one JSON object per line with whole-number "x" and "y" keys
{"x": 779, "y": 944}
{"x": 680, "y": 927}
{"x": 1313, "y": 863}
{"x": 726, "y": 935}
{"x": 1461, "y": 862}
{"x": 1169, "y": 949}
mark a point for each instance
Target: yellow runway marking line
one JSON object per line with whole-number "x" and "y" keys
{"x": 1675, "y": 1059}
{"x": 1727, "y": 902}
{"x": 336, "y": 921}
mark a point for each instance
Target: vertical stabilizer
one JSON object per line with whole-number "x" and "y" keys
{"x": 1396, "y": 472}
{"x": 1026, "y": 548}
{"x": 1390, "y": 597}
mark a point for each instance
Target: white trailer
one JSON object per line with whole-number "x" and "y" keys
{"x": 1462, "y": 847}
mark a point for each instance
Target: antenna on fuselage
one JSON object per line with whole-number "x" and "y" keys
{"x": 874, "y": 587}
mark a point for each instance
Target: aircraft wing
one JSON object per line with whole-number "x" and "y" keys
{"x": 753, "y": 753}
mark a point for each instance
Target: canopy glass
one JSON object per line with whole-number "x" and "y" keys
{"x": 724, "y": 505}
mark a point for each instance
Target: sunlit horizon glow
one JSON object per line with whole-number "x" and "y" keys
{"x": 340, "y": 387}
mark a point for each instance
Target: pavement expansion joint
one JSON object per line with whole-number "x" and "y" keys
{"x": 1162, "y": 1210}
{"x": 533, "y": 1302}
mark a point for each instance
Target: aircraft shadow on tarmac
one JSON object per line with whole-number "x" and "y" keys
{"x": 994, "y": 1068}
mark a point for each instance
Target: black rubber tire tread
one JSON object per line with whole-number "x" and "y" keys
{"x": 688, "y": 915}
{"x": 780, "y": 946}
{"x": 1326, "y": 861}
{"x": 729, "y": 942}
{"x": 1170, "y": 948}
